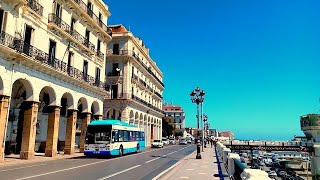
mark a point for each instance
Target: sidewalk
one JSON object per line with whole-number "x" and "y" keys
{"x": 14, "y": 159}
{"x": 192, "y": 168}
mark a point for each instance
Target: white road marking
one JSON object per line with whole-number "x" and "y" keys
{"x": 22, "y": 167}
{"x": 107, "y": 177}
{"x": 152, "y": 160}
{"x": 76, "y": 167}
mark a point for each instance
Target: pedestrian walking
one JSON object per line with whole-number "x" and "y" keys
{"x": 58, "y": 146}
{"x": 211, "y": 141}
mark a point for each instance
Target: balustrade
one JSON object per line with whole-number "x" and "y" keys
{"x": 42, "y": 57}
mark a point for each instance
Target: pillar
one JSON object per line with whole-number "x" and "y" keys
{"x": 70, "y": 132}
{"x": 29, "y": 130}
{"x": 315, "y": 161}
{"x": 85, "y": 122}
{"x": 146, "y": 133}
{"x": 53, "y": 130}
{"x": 4, "y": 105}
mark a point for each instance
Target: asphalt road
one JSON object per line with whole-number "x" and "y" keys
{"x": 143, "y": 165}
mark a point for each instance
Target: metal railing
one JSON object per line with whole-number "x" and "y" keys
{"x": 132, "y": 53}
{"x": 158, "y": 94}
{"x": 100, "y": 55}
{"x": 35, "y": 6}
{"x": 84, "y": 7}
{"x": 53, "y": 18}
{"x": 42, "y": 57}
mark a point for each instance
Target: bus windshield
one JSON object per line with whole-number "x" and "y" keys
{"x": 98, "y": 134}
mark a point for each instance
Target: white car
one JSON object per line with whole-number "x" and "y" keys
{"x": 157, "y": 143}
{"x": 165, "y": 141}
{"x": 172, "y": 141}
{"x": 183, "y": 141}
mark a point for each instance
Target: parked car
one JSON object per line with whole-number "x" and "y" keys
{"x": 165, "y": 141}
{"x": 172, "y": 141}
{"x": 157, "y": 143}
{"x": 183, "y": 141}
{"x": 189, "y": 140}
{"x": 272, "y": 174}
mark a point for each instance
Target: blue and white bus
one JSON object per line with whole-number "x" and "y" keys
{"x": 113, "y": 137}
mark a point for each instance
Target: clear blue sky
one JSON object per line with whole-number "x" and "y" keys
{"x": 257, "y": 60}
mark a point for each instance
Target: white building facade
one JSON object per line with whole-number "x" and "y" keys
{"x": 51, "y": 82}
{"x": 135, "y": 83}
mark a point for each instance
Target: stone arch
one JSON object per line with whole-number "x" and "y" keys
{"x": 1, "y": 86}
{"x": 111, "y": 114}
{"x": 47, "y": 97}
{"x": 145, "y": 118}
{"x": 22, "y": 88}
{"x": 95, "y": 109}
{"x": 22, "y": 92}
{"x": 66, "y": 102}
{"x": 131, "y": 119}
{"x": 82, "y": 105}
{"x": 136, "y": 118}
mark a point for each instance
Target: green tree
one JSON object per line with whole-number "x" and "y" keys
{"x": 167, "y": 129}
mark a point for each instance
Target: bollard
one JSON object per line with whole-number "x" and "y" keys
{"x": 198, "y": 150}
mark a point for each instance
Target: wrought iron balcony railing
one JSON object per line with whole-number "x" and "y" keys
{"x": 142, "y": 82}
{"x": 53, "y": 18}
{"x": 35, "y": 6}
{"x": 158, "y": 94}
{"x": 84, "y": 7}
{"x": 42, "y": 57}
{"x": 100, "y": 55}
{"x": 127, "y": 52}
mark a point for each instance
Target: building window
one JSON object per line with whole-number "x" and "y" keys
{"x": 57, "y": 9}
{"x": 73, "y": 23}
{"x": 70, "y": 59}
{"x": 85, "y": 70}
{"x": 89, "y": 8}
{"x": 52, "y": 51}
{"x": 115, "y": 49}
{"x": 3, "y": 20}
{"x": 98, "y": 45}
{"x": 97, "y": 75}
{"x": 115, "y": 69}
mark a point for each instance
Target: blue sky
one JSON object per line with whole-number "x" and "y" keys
{"x": 258, "y": 61}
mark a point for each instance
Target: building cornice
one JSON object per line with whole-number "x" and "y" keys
{"x": 103, "y": 7}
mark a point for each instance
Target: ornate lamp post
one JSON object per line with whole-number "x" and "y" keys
{"x": 197, "y": 96}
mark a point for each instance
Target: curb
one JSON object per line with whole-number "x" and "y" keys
{"x": 167, "y": 173}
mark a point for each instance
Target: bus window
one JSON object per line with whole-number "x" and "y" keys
{"x": 120, "y": 136}
{"x": 89, "y": 138}
{"x": 142, "y": 136}
{"x": 137, "y": 136}
{"x": 125, "y": 136}
{"x": 132, "y": 135}
{"x": 103, "y": 137}
{"x": 115, "y": 136}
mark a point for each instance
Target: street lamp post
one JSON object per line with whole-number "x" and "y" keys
{"x": 197, "y": 96}
{"x": 205, "y": 118}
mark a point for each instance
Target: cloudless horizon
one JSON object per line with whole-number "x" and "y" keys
{"x": 256, "y": 60}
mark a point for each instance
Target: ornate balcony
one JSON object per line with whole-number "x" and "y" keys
{"x": 61, "y": 27}
{"x": 100, "y": 56}
{"x": 158, "y": 94}
{"x": 14, "y": 47}
{"x": 35, "y": 6}
{"x": 113, "y": 78}
{"x": 87, "y": 15}
{"x": 110, "y": 53}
